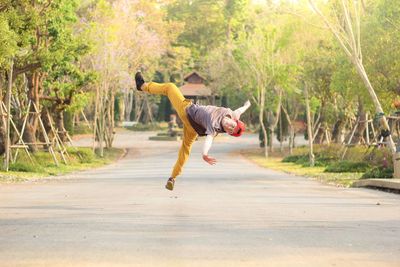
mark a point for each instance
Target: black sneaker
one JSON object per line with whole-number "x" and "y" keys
{"x": 139, "y": 80}
{"x": 170, "y": 184}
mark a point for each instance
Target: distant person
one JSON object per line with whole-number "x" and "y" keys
{"x": 172, "y": 125}
{"x": 197, "y": 120}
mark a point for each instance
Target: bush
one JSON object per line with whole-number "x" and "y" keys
{"x": 25, "y": 167}
{"x": 378, "y": 172}
{"x": 43, "y": 158}
{"x": 357, "y": 159}
{"x": 292, "y": 158}
{"x": 347, "y": 166}
{"x": 380, "y": 157}
{"x": 84, "y": 155}
{"x": 328, "y": 152}
{"x": 355, "y": 153}
{"x": 323, "y": 160}
{"x": 304, "y": 160}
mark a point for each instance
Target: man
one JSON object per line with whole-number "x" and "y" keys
{"x": 197, "y": 120}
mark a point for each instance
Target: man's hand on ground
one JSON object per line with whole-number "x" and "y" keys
{"x": 209, "y": 160}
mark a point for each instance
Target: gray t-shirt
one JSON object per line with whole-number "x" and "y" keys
{"x": 206, "y": 120}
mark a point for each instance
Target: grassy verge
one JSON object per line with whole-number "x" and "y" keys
{"x": 274, "y": 162}
{"x": 44, "y": 166}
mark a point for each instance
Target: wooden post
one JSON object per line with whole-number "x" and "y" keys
{"x": 46, "y": 137}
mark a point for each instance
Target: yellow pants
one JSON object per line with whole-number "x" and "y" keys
{"x": 179, "y": 103}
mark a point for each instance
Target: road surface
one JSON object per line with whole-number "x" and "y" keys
{"x": 231, "y": 214}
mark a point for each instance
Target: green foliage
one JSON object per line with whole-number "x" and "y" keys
{"x": 294, "y": 158}
{"x": 304, "y": 160}
{"x": 8, "y": 37}
{"x": 378, "y": 172}
{"x": 84, "y": 155}
{"x": 347, "y": 166}
{"x": 65, "y": 77}
{"x": 204, "y": 24}
{"x": 375, "y": 163}
{"x": 25, "y": 167}
{"x": 379, "y": 157}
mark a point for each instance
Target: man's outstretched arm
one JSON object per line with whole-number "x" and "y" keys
{"x": 241, "y": 110}
{"x": 206, "y": 148}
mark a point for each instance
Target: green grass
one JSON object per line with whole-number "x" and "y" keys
{"x": 43, "y": 164}
{"x": 275, "y": 162}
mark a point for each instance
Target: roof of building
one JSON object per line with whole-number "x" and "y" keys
{"x": 193, "y": 73}
{"x": 195, "y": 89}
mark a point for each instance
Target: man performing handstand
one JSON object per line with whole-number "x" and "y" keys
{"x": 197, "y": 120}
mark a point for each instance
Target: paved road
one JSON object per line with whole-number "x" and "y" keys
{"x": 231, "y": 214}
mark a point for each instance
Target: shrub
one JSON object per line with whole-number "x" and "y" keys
{"x": 25, "y": 167}
{"x": 355, "y": 153}
{"x": 84, "y": 155}
{"x": 304, "y": 160}
{"x": 378, "y": 172}
{"x": 324, "y": 160}
{"x": 347, "y": 166}
{"x": 328, "y": 152}
{"x": 44, "y": 158}
{"x": 380, "y": 157}
{"x": 292, "y": 158}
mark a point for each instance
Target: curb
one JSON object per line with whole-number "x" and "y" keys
{"x": 392, "y": 184}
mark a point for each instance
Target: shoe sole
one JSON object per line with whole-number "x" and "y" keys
{"x": 169, "y": 186}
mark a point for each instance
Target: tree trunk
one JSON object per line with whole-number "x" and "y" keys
{"x": 318, "y": 136}
{"x": 128, "y": 99}
{"x": 291, "y": 129}
{"x": 261, "y": 119}
{"x": 46, "y": 122}
{"x": 59, "y": 124}
{"x": 32, "y": 123}
{"x": 361, "y": 126}
{"x": 291, "y": 139}
{"x": 281, "y": 134}
{"x": 309, "y": 129}
{"x": 274, "y": 121}
{"x": 337, "y": 132}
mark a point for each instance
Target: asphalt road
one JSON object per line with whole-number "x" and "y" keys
{"x": 231, "y": 214}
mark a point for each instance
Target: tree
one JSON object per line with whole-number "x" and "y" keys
{"x": 348, "y": 35}
{"x": 126, "y": 36}
{"x": 45, "y": 50}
